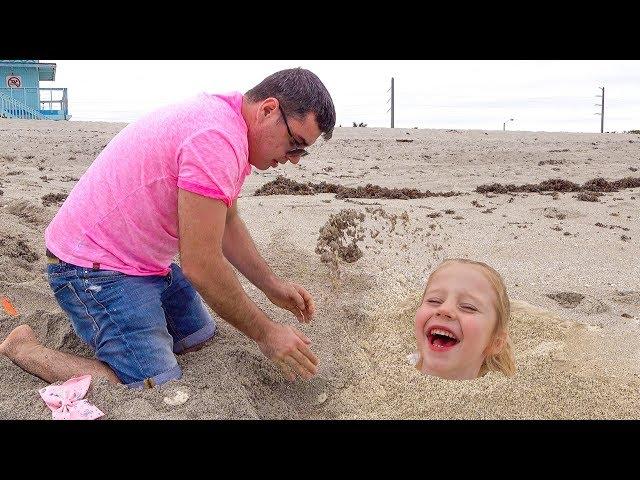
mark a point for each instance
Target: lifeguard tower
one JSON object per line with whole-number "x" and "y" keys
{"x": 21, "y": 95}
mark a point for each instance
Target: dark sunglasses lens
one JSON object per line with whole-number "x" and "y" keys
{"x": 298, "y": 152}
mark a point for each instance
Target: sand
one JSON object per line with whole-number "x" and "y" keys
{"x": 571, "y": 268}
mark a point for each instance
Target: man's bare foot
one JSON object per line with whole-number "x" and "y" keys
{"x": 23, "y": 348}
{"x": 19, "y": 338}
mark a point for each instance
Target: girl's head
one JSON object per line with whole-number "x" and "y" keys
{"x": 461, "y": 327}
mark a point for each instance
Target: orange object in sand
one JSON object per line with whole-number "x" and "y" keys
{"x": 8, "y": 307}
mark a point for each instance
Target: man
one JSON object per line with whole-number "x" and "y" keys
{"x": 168, "y": 183}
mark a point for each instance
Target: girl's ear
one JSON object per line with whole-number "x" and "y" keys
{"x": 497, "y": 344}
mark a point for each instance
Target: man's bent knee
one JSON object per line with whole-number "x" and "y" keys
{"x": 173, "y": 374}
{"x": 195, "y": 348}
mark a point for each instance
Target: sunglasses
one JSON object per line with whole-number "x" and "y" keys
{"x": 296, "y": 152}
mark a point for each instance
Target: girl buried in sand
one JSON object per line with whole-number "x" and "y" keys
{"x": 461, "y": 327}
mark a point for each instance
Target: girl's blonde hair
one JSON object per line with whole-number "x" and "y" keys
{"x": 504, "y": 360}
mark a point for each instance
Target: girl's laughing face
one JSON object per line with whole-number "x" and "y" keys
{"x": 455, "y": 324}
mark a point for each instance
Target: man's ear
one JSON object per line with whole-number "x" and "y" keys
{"x": 268, "y": 106}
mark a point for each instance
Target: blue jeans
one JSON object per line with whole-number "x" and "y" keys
{"x": 135, "y": 324}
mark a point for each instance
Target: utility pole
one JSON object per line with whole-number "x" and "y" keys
{"x": 391, "y": 109}
{"x": 601, "y": 111}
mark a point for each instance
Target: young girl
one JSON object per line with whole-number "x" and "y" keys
{"x": 461, "y": 327}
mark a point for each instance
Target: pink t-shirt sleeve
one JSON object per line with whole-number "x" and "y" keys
{"x": 208, "y": 165}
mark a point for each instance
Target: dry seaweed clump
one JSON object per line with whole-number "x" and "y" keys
{"x": 53, "y": 198}
{"x": 554, "y": 185}
{"x": 285, "y": 186}
{"x": 334, "y": 242}
{"x": 588, "y": 196}
{"x": 561, "y": 185}
{"x": 375, "y": 191}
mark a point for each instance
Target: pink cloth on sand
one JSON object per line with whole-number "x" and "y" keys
{"x": 67, "y": 401}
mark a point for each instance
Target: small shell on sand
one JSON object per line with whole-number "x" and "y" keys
{"x": 321, "y": 398}
{"x": 412, "y": 358}
{"x": 178, "y": 399}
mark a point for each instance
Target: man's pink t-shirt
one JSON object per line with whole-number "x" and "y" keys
{"x": 123, "y": 212}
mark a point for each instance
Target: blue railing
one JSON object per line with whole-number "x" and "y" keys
{"x": 12, "y": 108}
{"x": 52, "y": 102}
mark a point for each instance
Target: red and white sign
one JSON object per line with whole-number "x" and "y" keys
{"x": 14, "y": 81}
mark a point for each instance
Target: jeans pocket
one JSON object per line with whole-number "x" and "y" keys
{"x": 57, "y": 285}
{"x": 82, "y": 322}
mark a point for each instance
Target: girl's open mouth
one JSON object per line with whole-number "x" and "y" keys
{"x": 441, "y": 340}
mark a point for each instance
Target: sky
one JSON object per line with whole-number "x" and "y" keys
{"x": 540, "y": 95}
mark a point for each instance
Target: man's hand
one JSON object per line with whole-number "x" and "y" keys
{"x": 292, "y": 297}
{"x": 288, "y": 348}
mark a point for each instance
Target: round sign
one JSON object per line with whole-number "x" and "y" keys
{"x": 14, "y": 81}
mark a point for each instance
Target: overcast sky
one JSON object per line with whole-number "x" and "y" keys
{"x": 558, "y": 95}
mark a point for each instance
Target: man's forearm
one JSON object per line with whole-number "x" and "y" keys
{"x": 241, "y": 251}
{"x": 221, "y": 290}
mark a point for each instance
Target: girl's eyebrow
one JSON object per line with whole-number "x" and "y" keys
{"x": 430, "y": 292}
{"x": 433, "y": 290}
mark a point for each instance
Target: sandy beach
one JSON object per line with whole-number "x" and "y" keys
{"x": 569, "y": 258}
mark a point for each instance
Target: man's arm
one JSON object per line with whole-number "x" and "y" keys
{"x": 241, "y": 251}
{"x": 202, "y": 223}
{"x": 239, "y": 248}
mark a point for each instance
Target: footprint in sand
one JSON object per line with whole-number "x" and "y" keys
{"x": 629, "y": 297}
{"x": 29, "y": 212}
{"x": 567, "y": 299}
{"x": 586, "y": 304}
{"x": 558, "y": 213}
{"x": 17, "y": 248}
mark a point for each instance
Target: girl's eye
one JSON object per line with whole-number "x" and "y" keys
{"x": 469, "y": 307}
{"x": 434, "y": 301}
